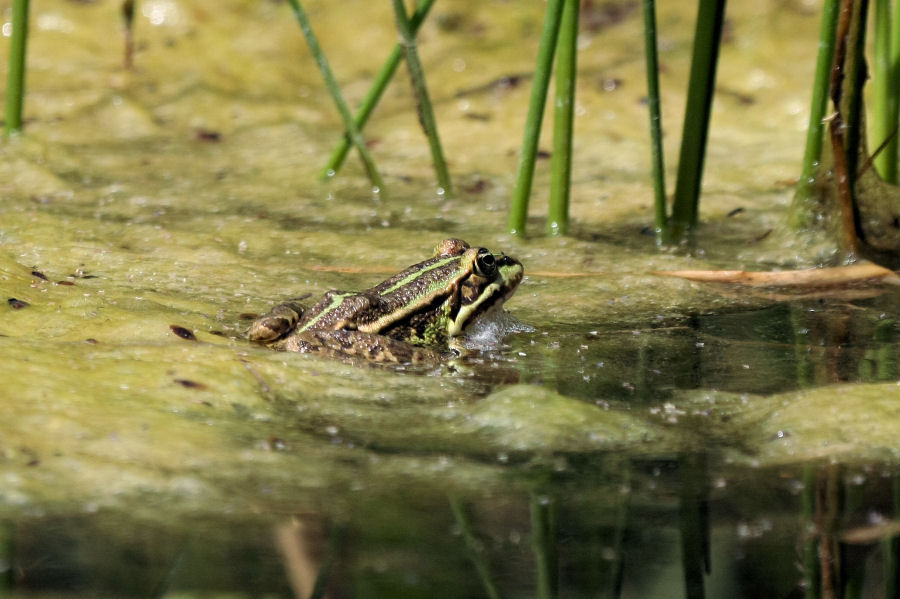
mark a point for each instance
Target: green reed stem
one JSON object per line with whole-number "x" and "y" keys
{"x": 884, "y": 94}
{"x": 372, "y": 98}
{"x": 128, "y": 10}
{"x": 891, "y": 547}
{"x": 815, "y": 132}
{"x": 518, "y": 213}
{"x": 423, "y": 103}
{"x": 8, "y": 555}
{"x": 708, "y": 34}
{"x": 895, "y": 64}
{"x": 623, "y": 509}
{"x": 543, "y": 542}
{"x": 335, "y": 91}
{"x": 474, "y": 548}
{"x": 656, "y": 145}
{"x": 564, "y": 112}
{"x": 693, "y": 521}
{"x": 803, "y": 205}
{"x": 811, "y": 570}
{"x": 15, "y": 86}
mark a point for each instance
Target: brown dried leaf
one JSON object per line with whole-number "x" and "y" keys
{"x": 810, "y": 278}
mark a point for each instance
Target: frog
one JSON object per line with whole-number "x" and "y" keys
{"x": 417, "y": 316}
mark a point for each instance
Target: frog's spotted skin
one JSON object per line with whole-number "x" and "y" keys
{"x": 409, "y": 318}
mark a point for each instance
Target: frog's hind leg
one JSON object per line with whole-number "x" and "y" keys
{"x": 359, "y": 347}
{"x": 277, "y": 323}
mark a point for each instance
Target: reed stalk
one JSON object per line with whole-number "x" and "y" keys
{"x": 653, "y": 106}
{"x": 374, "y": 94}
{"x": 846, "y": 82}
{"x": 15, "y": 82}
{"x": 518, "y": 213}
{"x": 884, "y": 95}
{"x": 543, "y": 543}
{"x": 815, "y": 132}
{"x": 708, "y": 34}
{"x": 8, "y": 555}
{"x": 564, "y": 111}
{"x": 891, "y": 547}
{"x": 623, "y": 509}
{"x": 331, "y": 83}
{"x": 809, "y": 510}
{"x": 855, "y": 74}
{"x": 128, "y": 10}
{"x": 474, "y": 548}
{"x": 895, "y": 69}
{"x": 693, "y": 523}
{"x": 420, "y": 90}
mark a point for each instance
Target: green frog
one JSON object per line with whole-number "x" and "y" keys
{"x": 414, "y": 317}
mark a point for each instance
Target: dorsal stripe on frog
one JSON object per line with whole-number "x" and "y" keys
{"x": 336, "y": 300}
{"x": 418, "y": 273}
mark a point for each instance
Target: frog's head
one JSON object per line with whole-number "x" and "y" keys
{"x": 489, "y": 280}
{"x": 438, "y": 298}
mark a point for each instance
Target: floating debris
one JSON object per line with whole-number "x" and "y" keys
{"x": 189, "y": 384}
{"x": 183, "y": 332}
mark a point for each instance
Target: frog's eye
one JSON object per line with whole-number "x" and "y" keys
{"x": 485, "y": 263}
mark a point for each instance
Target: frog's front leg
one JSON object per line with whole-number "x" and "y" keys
{"x": 277, "y": 323}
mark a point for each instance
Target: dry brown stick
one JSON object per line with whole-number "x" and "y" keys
{"x": 836, "y": 129}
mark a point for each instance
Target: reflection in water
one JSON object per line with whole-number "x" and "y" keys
{"x": 785, "y": 347}
{"x": 672, "y": 534}
{"x": 611, "y": 529}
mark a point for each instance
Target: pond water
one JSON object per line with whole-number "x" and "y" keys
{"x": 644, "y": 436}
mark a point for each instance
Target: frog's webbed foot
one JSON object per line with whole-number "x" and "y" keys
{"x": 277, "y": 323}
